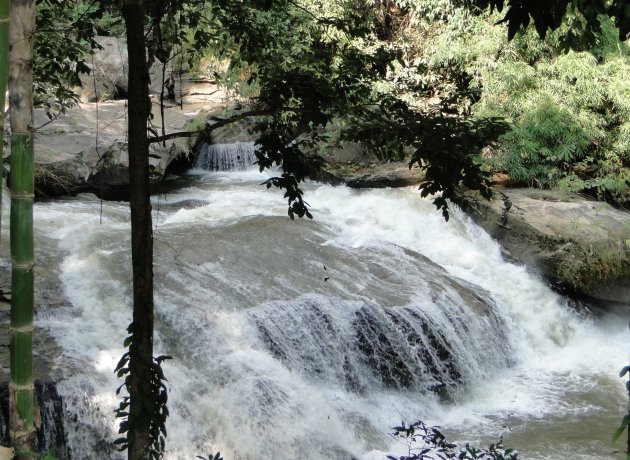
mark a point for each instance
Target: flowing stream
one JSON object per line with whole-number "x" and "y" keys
{"x": 311, "y": 339}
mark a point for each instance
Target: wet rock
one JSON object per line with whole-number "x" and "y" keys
{"x": 579, "y": 245}
{"x": 385, "y": 175}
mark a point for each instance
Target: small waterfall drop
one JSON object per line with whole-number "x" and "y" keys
{"x": 310, "y": 339}
{"x": 226, "y": 157}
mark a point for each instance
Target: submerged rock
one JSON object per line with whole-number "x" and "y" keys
{"x": 578, "y": 244}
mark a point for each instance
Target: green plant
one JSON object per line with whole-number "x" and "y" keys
{"x": 217, "y": 456}
{"x": 4, "y": 73}
{"x": 428, "y": 442}
{"x": 21, "y": 386}
{"x": 152, "y": 402}
{"x": 568, "y": 108}
{"x": 63, "y": 41}
{"x": 625, "y": 422}
{"x": 542, "y": 147}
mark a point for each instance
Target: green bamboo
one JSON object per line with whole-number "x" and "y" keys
{"x": 4, "y": 71}
{"x": 22, "y": 418}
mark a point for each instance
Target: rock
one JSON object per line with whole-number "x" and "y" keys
{"x": 385, "y": 175}
{"x": 108, "y": 78}
{"x": 353, "y": 166}
{"x": 70, "y": 157}
{"x": 576, "y": 243}
{"x": 377, "y": 175}
{"x": 85, "y": 148}
{"x": 240, "y": 131}
{"x": 51, "y": 435}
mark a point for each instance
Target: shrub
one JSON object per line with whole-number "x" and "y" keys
{"x": 428, "y": 442}
{"x": 544, "y": 145}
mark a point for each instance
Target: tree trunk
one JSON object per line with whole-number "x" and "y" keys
{"x": 4, "y": 70}
{"x": 141, "y": 347}
{"x": 22, "y": 418}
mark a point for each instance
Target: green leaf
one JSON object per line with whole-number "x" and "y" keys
{"x": 624, "y": 423}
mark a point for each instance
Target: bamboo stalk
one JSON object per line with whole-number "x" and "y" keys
{"x": 4, "y": 70}
{"x": 20, "y": 81}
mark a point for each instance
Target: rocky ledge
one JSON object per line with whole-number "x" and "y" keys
{"x": 85, "y": 149}
{"x": 579, "y": 245}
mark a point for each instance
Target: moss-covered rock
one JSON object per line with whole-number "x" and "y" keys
{"x": 576, "y": 243}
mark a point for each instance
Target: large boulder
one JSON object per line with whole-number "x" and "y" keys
{"x": 577, "y": 243}
{"x": 85, "y": 149}
{"x": 107, "y": 79}
{"x": 108, "y": 76}
{"x": 353, "y": 165}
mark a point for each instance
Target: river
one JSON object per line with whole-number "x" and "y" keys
{"x": 311, "y": 339}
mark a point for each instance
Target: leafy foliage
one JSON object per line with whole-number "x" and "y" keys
{"x": 625, "y": 422}
{"x": 216, "y": 456}
{"x": 568, "y": 110}
{"x": 63, "y": 42}
{"x": 428, "y": 442}
{"x": 151, "y": 406}
{"x": 545, "y": 145}
{"x": 549, "y": 15}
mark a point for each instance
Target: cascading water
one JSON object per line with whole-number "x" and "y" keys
{"x": 226, "y": 157}
{"x": 309, "y": 339}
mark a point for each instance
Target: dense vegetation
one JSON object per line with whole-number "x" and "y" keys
{"x": 569, "y": 109}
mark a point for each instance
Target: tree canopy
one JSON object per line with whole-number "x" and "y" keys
{"x": 549, "y": 15}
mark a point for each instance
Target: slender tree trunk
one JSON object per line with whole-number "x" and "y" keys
{"x": 22, "y": 418}
{"x": 141, "y": 347}
{"x": 4, "y": 71}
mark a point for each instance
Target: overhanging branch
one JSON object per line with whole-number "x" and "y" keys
{"x": 220, "y": 122}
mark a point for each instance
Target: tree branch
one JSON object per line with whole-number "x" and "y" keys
{"x": 220, "y": 122}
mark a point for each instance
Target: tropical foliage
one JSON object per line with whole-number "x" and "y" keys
{"x": 566, "y": 98}
{"x": 426, "y": 442}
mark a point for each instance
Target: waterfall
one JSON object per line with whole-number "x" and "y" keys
{"x": 438, "y": 343}
{"x": 226, "y": 157}
{"x": 309, "y": 339}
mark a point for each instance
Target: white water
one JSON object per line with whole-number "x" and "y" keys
{"x": 235, "y": 268}
{"x": 225, "y": 157}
